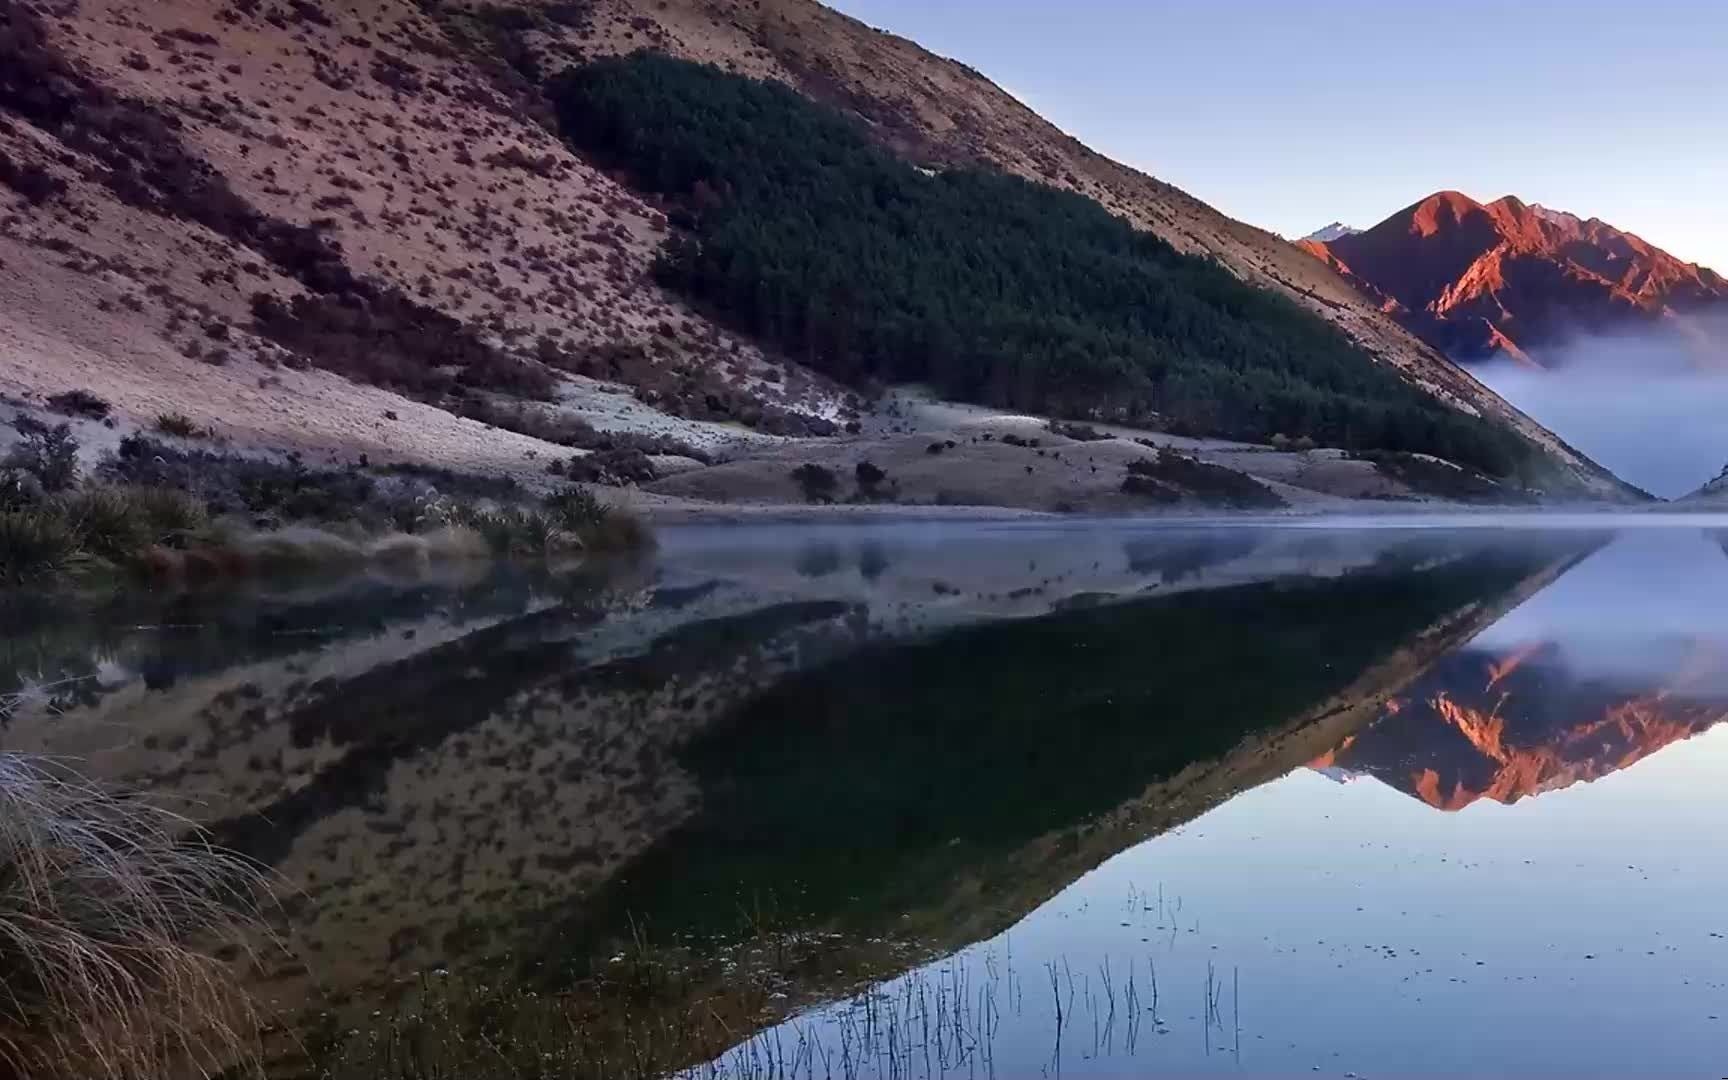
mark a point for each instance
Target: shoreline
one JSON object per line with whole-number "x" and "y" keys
{"x": 1352, "y": 514}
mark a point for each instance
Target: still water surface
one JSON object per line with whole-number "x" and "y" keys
{"x": 1112, "y": 800}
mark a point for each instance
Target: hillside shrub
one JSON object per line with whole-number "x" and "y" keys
{"x": 178, "y": 425}
{"x": 818, "y": 483}
{"x": 564, "y": 429}
{"x": 1171, "y": 475}
{"x": 870, "y": 478}
{"x": 1078, "y": 432}
{"x": 81, "y": 403}
{"x": 613, "y": 468}
{"x": 48, "y": 455}
{"x": 1442, "y": 479}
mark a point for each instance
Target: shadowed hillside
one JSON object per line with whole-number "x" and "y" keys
{"x": 802, "y": 233}
{"x": 354, "y": 231}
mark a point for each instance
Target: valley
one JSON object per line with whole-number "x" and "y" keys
{"x": 656, "y": 539}
{"x": 360, "y": 238}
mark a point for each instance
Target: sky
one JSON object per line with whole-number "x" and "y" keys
{"x": 1292, "y": 115}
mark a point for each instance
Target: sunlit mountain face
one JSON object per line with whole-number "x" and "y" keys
{"x": 1515, "y": 280}
{"x": 1545, "y": 699}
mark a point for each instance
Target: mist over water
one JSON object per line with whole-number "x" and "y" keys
{"x": 1649, "y": 407}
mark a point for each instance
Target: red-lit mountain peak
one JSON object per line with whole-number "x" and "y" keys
{"x": 1476, "y": 279}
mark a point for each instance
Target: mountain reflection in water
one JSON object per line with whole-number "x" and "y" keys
{"x": 1076, "y": 748}
{"x": 1620, "y": 658}
{"x": 1294, "y": 925}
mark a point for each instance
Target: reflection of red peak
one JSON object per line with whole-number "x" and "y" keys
{"x": 1507, "y": 276}
{"x": 1623, "y": 735}
{"x": 1511, "y": 662}
{"x": 1510, "y": 725}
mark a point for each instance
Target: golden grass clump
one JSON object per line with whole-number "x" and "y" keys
{"x": 112, "y": 913}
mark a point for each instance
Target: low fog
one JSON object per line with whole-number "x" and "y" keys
{"x": 1652, "y": 408}
{"x": 1666, "y": 589}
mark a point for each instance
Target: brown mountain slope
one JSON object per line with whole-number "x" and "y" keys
{"x": 1474, "y": 279}
{"x": 192, "y": 155}
{"x": 163, "y": 162}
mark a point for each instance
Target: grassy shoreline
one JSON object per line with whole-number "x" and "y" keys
{"x": 651, "y": 1010}
{"x": 125, "y": 934}
{"x": 165, "y": 512}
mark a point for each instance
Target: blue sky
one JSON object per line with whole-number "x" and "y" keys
{"x": 1290, "y": 115}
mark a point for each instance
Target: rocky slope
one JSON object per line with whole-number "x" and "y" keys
{"x": 313, "y": 225}
{"x": 1714, "y": 491}
{"x": 1478, "y": 279}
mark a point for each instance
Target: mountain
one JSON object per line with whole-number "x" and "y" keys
{"x": 1714, "y": 490}
{"x": 358, "y": 232}
{"x": 1332, "y": 232}
{"x": 1479, "y": 279}
{"x": 1507, "y": 725}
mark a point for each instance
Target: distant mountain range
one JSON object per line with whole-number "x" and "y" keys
{"x": 1504, "y": 725}
{"x": 1507, "y": 277}
{"x": 1332, "y": 232}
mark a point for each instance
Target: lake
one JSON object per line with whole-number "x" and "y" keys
{"x": 1390, "y": 796}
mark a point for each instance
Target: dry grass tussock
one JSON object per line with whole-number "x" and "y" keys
{"x": 112, "y": 913}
